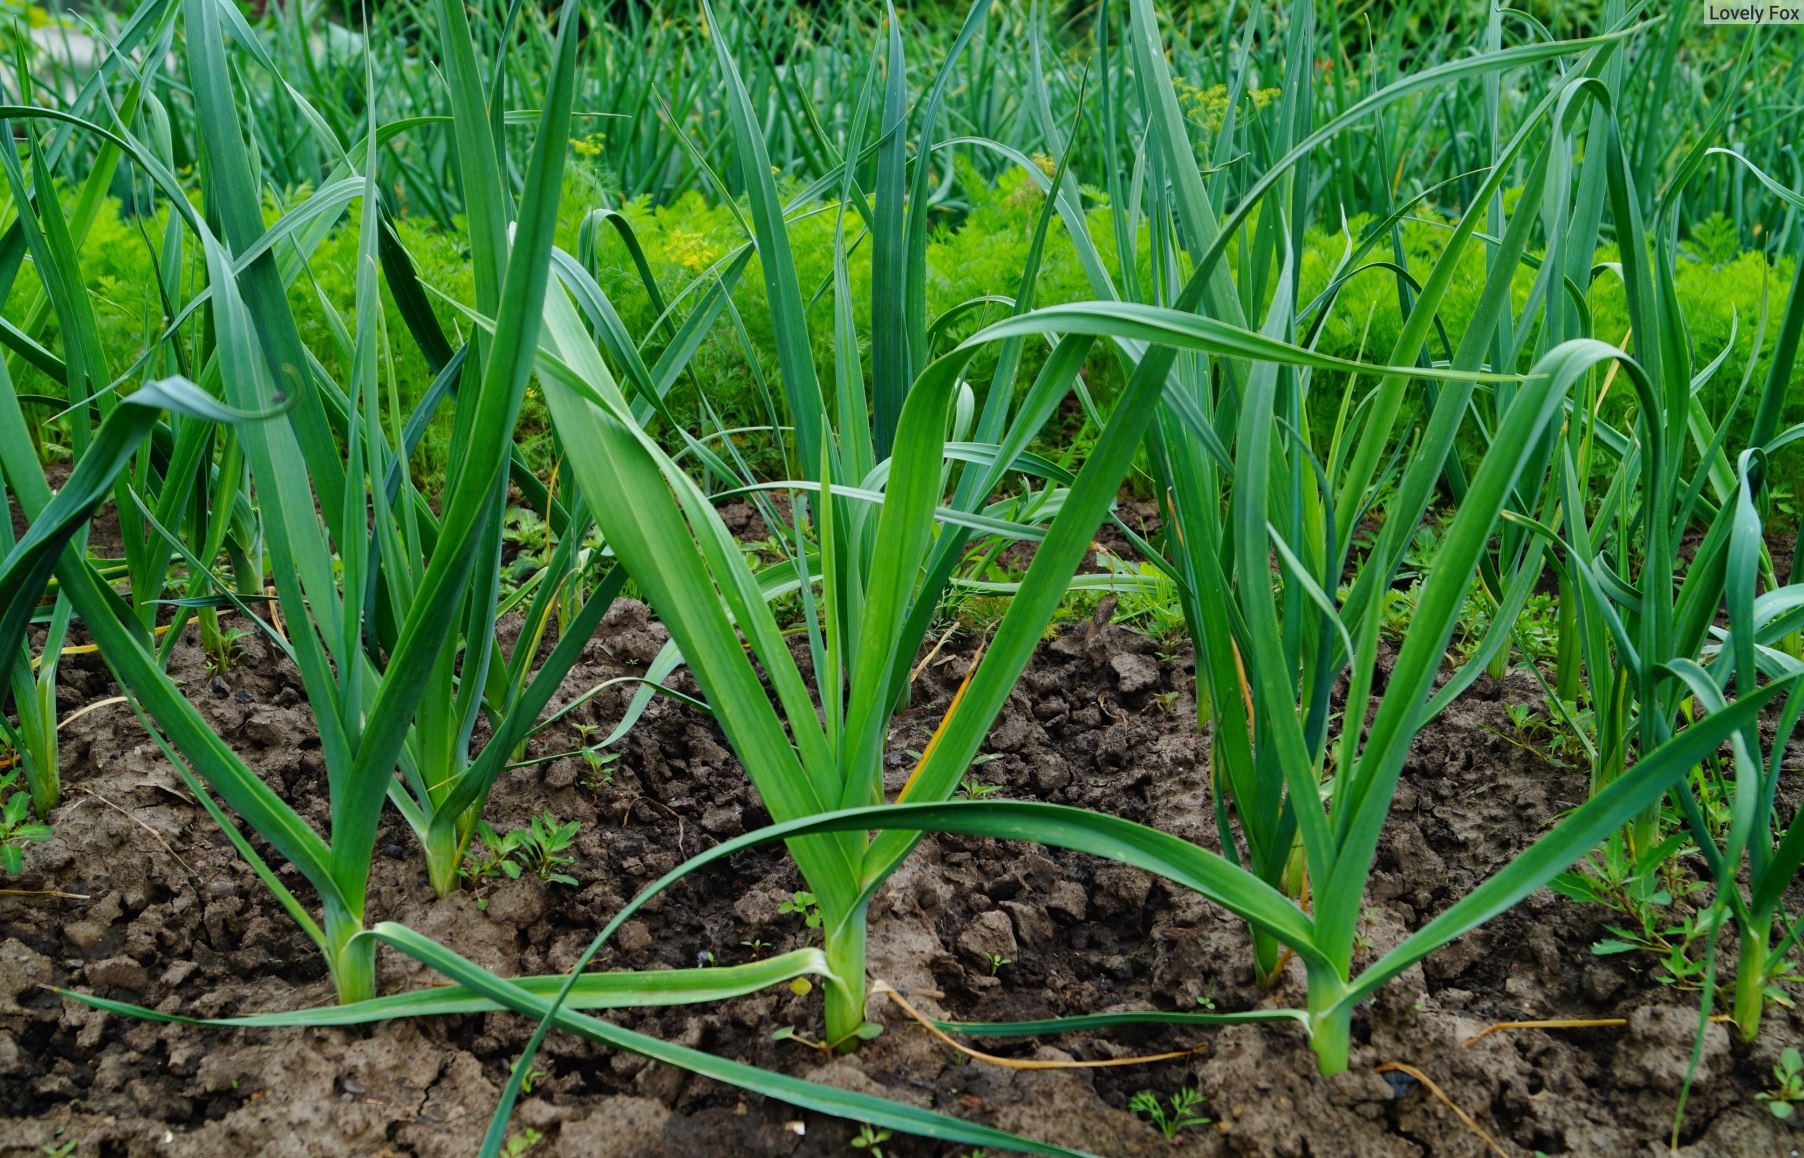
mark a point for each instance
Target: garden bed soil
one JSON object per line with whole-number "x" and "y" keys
{"x": 169, "y": 916}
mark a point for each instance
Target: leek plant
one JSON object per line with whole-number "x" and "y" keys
{"x": 1754, "y": 845}
{"x": 1233, "y": 462}
{"x": 42, "y": 230}
{"x": 880, "y": 572}
{"x": 1243, "y": 492}
{"x": 1338, "y": 844}
{"x": 388, "y": 609}
{"x": 1641, "y": 626}
{"x": 1340, "y": 841}
{"x": 1649, "y": 639}
{"x": 1633, "y": 610}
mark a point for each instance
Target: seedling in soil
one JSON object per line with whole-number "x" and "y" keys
{"x": 1641, "y": 889}
{"x": 1149, "y": 599}
{"x": 1181, "y": 1115}
{"x": 540, "y": 847}
{"x": 543, "y": 848}
{"x": 599, "y": 770}
{"x": 223, "y": 650}
{"x": 598, "y": 765}
{"x": 16, "y": 825}
{"x": 865, "y": 1031}
{"x": 870, "y": 1140}
{"x": 1563, "y": 739}
{"x": 533, "y": 541}
{"x": 495, "y": 856}
{"x": 997, "y": 961}
{"x": 757, "y": 945}
{"x": 971, "y": 788}
{"x": 521, "y": 1143}
{"x": 805, "y": 904}
{"x": 1782, "y": 1099}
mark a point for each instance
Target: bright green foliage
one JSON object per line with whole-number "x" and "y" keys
{"x": 493, "y": 854}
{"x": 804, "y": 905}
{"x": 1394, "y": 312}
{"x": 1788, "y": 1085}
{"x": 16, "y": 825}
{"x": 981, "y": 255}
{"x": 870, "y": 1140}
{"x": 1184, "y": 1112}
{"x": 545, "y": 848}
{"x": 541, "y": 847}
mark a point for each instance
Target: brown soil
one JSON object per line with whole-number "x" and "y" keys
{"x": 171, "y": 917}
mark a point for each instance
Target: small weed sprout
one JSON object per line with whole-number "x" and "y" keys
{"x": 223, "y": 650}
{"x": 598, "y": 765}
{"x": 16, "y": 825}
{"x": 521, "y": 1143}
{"x": 1643, "y": 890}
{"x": 1782, "y": 1099}
{"x": 997, "y": 961}
{"x": 971, "y": 788}
{"x": 806, "y": 905}
{"x": 757, "y": 946}
{"x": 1362, "y": 937}
{"x": 540, "y": 847}
{"x": 493, "y": 855}
{"x": 598, "y": 770}
{"x": 545, "y": 848}
{"x": 1182, "y": 1114}
{"x": 1148, "y": 597}
{"x": 870, "y": 1140}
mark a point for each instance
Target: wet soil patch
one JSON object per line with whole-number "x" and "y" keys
{"x": 169, "y": 916}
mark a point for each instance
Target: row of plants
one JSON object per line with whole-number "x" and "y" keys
{"x": 262, "y": 445}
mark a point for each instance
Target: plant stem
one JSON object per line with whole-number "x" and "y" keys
{"x": 844, "y": 988}
{"x": 444, "y": 844}
{"x": 1499, "y": 667}
{"x": 1644, "y": 834}
{"x": 1268, "y": 954}
{"x": 42, "y": 774}
{"x": 1571, "y": 658}
{"x": 212, "y": 640}
{"x": 1750, "y": 977}
{"x": 37, "y": 738}
{"x": 351, "y": 959}
{"x": 1330, "y": 1020}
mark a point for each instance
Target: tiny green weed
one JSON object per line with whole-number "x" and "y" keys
{"x": 1783, "y": 1098}
{"x": 542, "y": 847}
{"x": 16, "y": 825}
{"x": 1181, "y": 1115}
{"x": 805, "y": 904}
